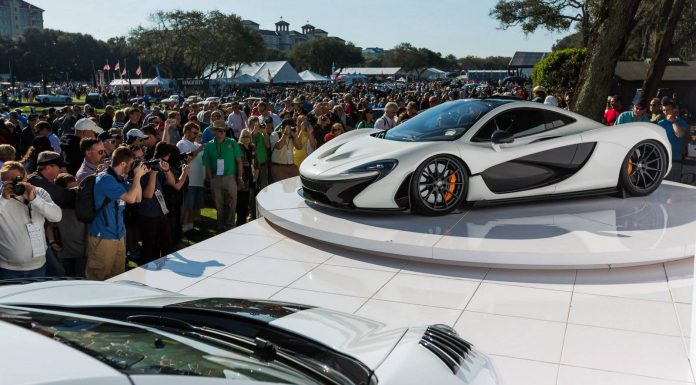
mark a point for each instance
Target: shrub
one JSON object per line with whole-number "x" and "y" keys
{"x": 559, "y": 72}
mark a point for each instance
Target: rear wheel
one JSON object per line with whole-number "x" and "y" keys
{"x": 438, "y": 186}
{"x": 643, "y": 168}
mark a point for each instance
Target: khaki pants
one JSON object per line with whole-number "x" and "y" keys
{"x": 284, "y": 171}
{"x": 106, "y": 258}
{"x": 224, "y": 189}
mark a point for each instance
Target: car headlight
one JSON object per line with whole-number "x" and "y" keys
{"x": 383, "y": 167}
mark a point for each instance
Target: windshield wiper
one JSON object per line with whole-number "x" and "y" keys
{"x": 263, "y": 350}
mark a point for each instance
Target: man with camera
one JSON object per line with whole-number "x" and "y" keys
{"x": 23, "y": 211}
{"x": 106, "y": 250}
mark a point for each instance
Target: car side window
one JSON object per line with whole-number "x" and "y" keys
{"x": 522, "y": 122}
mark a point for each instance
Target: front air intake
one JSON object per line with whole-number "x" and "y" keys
{"x": 442, "y": 341}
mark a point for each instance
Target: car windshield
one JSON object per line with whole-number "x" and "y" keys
{"x": 448, "y": 121}
{"x": 136, "y": 350}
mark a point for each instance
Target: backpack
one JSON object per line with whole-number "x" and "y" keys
{"x": 85, "y": 209}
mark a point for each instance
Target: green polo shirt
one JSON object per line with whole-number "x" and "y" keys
{"x": 228, "y": 150}
{"x": 260, "y": 143}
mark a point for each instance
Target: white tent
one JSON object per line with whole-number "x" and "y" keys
{"x": 310, "y": 76}
{"x": 246, "y": 79}
{"x": 136, "y": 82}
{"x": 276, "y": 71}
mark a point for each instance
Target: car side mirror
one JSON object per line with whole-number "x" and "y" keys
{"x": 501, "y": 137}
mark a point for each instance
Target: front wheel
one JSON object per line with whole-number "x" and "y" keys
{"x": 643, "y": 168}
{"x": 438, "y": 186}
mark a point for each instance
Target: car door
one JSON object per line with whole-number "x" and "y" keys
{"x": 541, "y": 154}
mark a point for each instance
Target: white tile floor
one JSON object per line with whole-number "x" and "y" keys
{"x": 567, "y": 327}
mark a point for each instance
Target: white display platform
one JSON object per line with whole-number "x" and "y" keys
{"x": 571, "y": 233}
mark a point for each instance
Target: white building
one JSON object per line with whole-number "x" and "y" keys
{"x": 283, "y": 38}
{"x": 16, "y": 16}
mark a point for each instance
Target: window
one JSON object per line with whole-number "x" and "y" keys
{"x": 522, "y": 122}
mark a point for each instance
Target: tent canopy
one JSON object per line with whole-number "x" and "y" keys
{"x": 246, "y": 79}
{"x": 277, "y": 71}
{"x": 310, "y": 76}
{"x": 370, "y": 71}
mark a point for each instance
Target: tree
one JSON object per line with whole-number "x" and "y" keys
{"x": 609, "y": 35}
{"x": 320, "y": 55}
{"x": 552, "y": 15}
{"x": 670, "y": 14}
{"x": 412, "y": 59}
{"x": 196, "y": 44}
{"x": 484, "y": 63}
{"x": 559, "y": 72}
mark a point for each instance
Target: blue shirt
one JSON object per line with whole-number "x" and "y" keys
{"x": 674, "y": 140}
{"x": 208, "y": 135}
{"x": 108, "y": 224}
{"x": 627, "y": 117}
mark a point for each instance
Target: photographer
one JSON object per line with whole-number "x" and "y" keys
{"x": 106, "y": 251}
{"x": 23, "y": 211}
{"x": 155, "y": 228}
{"x": 282, "y": 158}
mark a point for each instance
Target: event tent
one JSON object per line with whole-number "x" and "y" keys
{"x": 246, "y": 79}
{"x": 277, "y": 71}
{"x": 310, "y": 76}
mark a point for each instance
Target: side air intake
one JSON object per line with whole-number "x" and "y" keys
{"x": 444, "y": 343}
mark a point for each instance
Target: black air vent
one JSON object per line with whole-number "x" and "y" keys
{"x": 446, "y": 345}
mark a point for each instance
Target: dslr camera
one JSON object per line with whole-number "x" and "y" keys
{"x": 153, "y": 164}
{"x": 17, "y": 187}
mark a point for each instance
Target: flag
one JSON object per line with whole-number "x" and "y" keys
{"x": 117, "y": 66}
{"x": 138, "y": 71}
{"x": 107, "y": 67}
{"x": 123, "y": 73}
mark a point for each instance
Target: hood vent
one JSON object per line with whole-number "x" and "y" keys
{"x": 444, "y": 342}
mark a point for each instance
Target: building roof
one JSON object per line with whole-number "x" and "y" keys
{"x": 250, "y": 22}
{"x": 526, "y": 59}
{"x": 308, "y": 26}
{"x": 636, "y": 71}
{"x": 267, "y": 32}
{"x": 319, "y": 30}
{"x": 282, "y": 22}
{"x": 370, "y": 71}
{"x": 22, "y": 4}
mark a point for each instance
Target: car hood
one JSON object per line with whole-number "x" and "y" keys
{"x": 350, "y": 150}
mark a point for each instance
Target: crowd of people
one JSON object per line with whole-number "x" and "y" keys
{"x": 85, "y": 193}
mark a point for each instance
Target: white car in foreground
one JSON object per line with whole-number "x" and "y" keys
{"x": 86, "y": 332}
{"x": 483, "y": 150}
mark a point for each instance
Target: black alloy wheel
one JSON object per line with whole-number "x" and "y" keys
{"x": 643, "y": 168}
{"x": 438, "y": 186}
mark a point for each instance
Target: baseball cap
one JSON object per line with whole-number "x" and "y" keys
{"x": 85, "y": 124}
{"x": 50, "y": 157}
{"x": 110, "y": 134}
{"x": 135, "y": 133}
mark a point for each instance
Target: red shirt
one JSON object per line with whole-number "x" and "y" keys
{"x": 610, "y": 116}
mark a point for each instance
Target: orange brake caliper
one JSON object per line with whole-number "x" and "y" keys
{"x": 630, "y": 167}
{"x": 451, "y": 187}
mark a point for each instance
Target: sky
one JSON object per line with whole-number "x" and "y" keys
{"x": 458, "y": 27}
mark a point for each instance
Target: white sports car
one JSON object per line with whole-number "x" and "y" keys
{"x": 125, "y": 333}
{"x": 477, "y": 150}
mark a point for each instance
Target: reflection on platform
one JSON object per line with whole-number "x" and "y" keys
{"x": 596, "y": 231}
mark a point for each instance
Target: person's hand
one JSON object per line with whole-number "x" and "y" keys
{"x": 164, "y": 165}
{"x": 30, "y": 191}
{"x": 56, "y": 247}
{"x": 671, "y": 118}
{"x": 7, "y": 192}
{"x": 140, "y": 170}
{"x": 185, "y": 169}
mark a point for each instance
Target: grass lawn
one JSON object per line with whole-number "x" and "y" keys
{"x": 205, "y": 227}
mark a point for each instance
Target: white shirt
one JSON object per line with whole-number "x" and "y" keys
{"x": 196, "y": 169}
{"x": 237, "y": 122}
{"x": 15, "y": 244}
{"x": 281, "y": 155}
{"x": 384, "y": 123}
